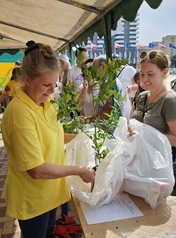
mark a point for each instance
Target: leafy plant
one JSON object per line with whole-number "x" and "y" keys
{"x": 69, "y": 105}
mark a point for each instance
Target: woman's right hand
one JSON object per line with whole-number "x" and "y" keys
{"x": 87, "y": 174}
{"x": 130, "y": 132}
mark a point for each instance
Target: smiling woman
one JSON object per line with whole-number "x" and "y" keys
{"x": 156, "y": 105}
{"x": 34, "y": 142}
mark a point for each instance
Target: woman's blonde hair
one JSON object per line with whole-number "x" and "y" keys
{"x": 38, "y": 59}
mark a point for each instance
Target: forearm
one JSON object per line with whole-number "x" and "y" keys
{"x": 130, "y": 88}
{"x": 101, "y": 114}
{"x": 3, "y": 97}
{"x": 53, "y": 171}
{"x": 82, "y": 94}
{"x": 172, "y": 139}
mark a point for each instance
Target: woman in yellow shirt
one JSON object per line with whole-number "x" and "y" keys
{"x": 36, "y": 180}
{"x": 9, "y": 90}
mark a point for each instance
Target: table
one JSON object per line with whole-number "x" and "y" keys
{"x": 156, "y": 223}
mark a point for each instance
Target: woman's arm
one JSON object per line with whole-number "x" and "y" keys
{"x": 172, "y": 135}
{"x": 3, "y": 97}
{"x": 83, "y": 91}
{"x": 133, "y": 87}
{"x": 53, "y": 171}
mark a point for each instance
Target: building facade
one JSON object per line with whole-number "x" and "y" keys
{"x": 123, "y": 43}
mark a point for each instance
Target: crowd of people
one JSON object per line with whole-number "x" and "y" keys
{"x": 34, "y": 140}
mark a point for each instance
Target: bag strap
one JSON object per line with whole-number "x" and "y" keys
{"x": 120, "y": 71}
{"x": 144, "y": 108}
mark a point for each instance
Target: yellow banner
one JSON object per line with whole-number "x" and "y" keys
{"x": 5, "y": 73}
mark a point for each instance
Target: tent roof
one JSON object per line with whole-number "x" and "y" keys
{"x": 58, "y": 23}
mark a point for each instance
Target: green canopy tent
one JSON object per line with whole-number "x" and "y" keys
{"x": 63, "y": 23}
{"x": 107, "y": 21}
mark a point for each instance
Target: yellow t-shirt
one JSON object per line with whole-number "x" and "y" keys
{"x": 14, "y": 88}
{"x": 32, "y": 135}
{"x": 9, "y": 87}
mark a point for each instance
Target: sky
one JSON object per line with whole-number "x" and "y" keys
{"x": 157, "y": 23}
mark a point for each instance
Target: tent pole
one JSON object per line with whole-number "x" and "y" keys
{"x": 72, "y": 59}
{"x": 107, "y": 37}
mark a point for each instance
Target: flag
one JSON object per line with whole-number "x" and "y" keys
{"x": 172, "y": 46}
{"x": 101, "y": 46}
{"x": 139, "y": 46}
{"x": 161, "y": 46}
{"x": 128, "y": 46}
{"x": 117, "y": 46}
{"x": 151, "y": 45}
{"x": 93, "y": 47}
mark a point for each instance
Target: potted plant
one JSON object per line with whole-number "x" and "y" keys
{"x": 69, "y": 104}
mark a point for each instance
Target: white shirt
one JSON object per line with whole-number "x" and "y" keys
{"x": 74, "y": 75}
{"x": 126, "y": 79}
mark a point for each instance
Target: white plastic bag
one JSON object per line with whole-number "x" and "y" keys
{"x": 109, "y": 175}
{"x": 150, "y": 173}
{"x": 127, "y": 106}
{"x": 140, "y": 164}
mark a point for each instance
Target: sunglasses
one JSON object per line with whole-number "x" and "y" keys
{"x": 151, "y": 56}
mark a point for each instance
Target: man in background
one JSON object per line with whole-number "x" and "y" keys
{"x": 65, "y": 66}
{"x": 75, "y": 73}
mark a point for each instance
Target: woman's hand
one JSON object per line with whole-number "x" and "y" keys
{"x": 87, "y": 174}
{"x": 131, "y": 88}
{"x": 130, "y": 132}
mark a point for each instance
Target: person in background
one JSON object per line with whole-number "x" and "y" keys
{"x": 9, "y": 90}
{"x": 75, "y": 73}
{"x": 115, "y": 57}
{"x": 58, "y": 87}
{"x": 36, "y": 179}
{"x": 65, "y": 66}
{"x": 88, "y": 91}
{"x": 156, "y": 106}
{"x": 126, "y": 76}
{"x": 138, "y": 88}
{"x": 100, "y": 64}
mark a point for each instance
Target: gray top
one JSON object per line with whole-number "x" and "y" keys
{"x": 156, "y": 114}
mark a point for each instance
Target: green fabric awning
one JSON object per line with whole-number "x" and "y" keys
{"x": 11, "y": 57}
{"x": 63, "y": 23}
{"x": 127, "y": 9}
{"x": 9, "y": 51}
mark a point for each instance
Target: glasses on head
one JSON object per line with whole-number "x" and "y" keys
{"x": 151, "y": 55}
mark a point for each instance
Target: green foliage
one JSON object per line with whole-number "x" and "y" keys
{"x": 68, "y": 104}
{"x": 68, "y": 107}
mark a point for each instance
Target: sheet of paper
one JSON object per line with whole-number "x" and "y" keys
{"x": 122, "y": 207}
